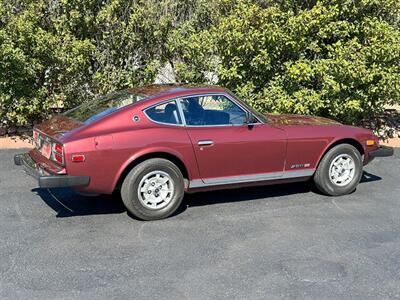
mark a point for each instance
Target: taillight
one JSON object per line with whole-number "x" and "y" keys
{"x": 58, "y": 148}
{"x": 57, "y": 153}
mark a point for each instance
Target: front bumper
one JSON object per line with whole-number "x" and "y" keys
{"x": 45, "y": 179}
{"x": 382, "y": 151}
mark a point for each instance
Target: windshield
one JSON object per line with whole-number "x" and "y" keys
{"x": 94, "y": 109}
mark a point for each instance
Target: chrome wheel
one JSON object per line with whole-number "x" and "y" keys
{"x": 156, "y": 190}
{"x": 342, "y": 170}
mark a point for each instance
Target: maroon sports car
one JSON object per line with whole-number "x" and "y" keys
{"x": 154, "y": 143}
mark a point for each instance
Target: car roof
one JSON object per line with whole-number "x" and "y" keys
{"x": 172, "y": 89}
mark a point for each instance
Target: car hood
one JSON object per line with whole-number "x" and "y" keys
{"x": 286, "y": 119}
{"x": 57, "y": 126}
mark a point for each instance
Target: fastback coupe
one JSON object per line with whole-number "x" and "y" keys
{"x": 156, "y": 142}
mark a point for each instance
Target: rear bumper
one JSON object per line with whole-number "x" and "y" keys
{"x": 45, "y": 179}
{"x": 382, "y": 151}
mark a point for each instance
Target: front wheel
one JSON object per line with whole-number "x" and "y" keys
{"x": 339, "y": 171}
{"x": 153, "y": 189}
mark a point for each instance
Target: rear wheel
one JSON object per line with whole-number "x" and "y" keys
{"x": 339, "y": 171}
{"x": 153, "y": 189}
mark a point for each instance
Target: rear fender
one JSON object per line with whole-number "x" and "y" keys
{"x": 150, "y": 151}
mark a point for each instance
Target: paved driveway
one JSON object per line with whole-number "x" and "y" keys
{"x": 256, "y": 243}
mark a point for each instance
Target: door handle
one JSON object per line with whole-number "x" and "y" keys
{"x": 205, "y": 143}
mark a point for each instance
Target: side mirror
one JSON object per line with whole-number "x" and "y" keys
{"x": 249, "y": 119}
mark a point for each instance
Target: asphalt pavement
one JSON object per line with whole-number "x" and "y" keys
{"x": 273, "y": 242}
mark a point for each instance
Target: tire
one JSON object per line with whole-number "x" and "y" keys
{"x": 335, "y": 162}
{"x": 153, "y": 201}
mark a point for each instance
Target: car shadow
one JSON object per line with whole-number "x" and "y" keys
{"x": 67, "y": 203}
{"x": 258, "y": 192}
{"x": 368, "y": 177}
{"x": 247, "y": 193}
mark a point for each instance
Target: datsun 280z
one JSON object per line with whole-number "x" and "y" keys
{"x": 155, "y": 143}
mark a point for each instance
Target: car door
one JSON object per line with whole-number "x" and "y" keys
{"x": 227, "y": 149}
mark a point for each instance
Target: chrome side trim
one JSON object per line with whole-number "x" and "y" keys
{"x": 198, "y": 183}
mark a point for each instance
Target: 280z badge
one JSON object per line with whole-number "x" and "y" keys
{"x": 299, "y": 166}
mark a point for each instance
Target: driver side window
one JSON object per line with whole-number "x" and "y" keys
{"x": 212, "y": 110}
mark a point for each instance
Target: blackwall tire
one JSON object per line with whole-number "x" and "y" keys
{"x": 339, "y": 171}
{"x": 153, "y": 189}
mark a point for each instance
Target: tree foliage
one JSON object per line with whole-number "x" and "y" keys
{"x": 337, "y": 58}
{"x": 331, "y": 58}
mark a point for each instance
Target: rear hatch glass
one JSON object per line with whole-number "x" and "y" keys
{"x": 97, "y": 108}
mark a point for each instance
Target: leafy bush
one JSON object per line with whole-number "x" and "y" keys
{"x": 337, "y": 58}
{"x": 55, "y": 54}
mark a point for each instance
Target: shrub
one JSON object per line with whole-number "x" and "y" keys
{"x": 339, "y": 58}
{"x": 56, "y": 54}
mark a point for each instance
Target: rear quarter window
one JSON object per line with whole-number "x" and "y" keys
{"x": 166, "y": 113}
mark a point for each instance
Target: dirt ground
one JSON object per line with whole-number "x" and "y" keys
{"x": 395, "y": 142}
{"x": 16, "y": 142}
